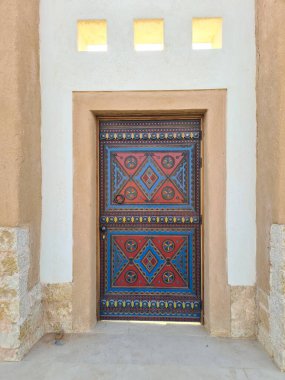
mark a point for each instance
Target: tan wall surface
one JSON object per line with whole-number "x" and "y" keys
{"x": 10, "y": 139}
{"x": 20, "y": 162}
{"x": 270, "y": 35}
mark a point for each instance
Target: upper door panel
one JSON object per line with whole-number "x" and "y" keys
{"x": 150, "y": 178}
{"x": 153, "y": 167}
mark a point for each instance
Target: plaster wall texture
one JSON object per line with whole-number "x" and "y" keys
{"x": 20, "y": 163}
{"x": 178, "y": 67}
{"x": 270, "y": 16}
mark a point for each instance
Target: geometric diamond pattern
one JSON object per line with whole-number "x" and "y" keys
{"x": 149, "y": 176}
{"x": 155, "y": 260}
{"x": 149, "y": 261}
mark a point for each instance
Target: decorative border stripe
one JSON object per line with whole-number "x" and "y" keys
{"x": 150, "y": 219}
{"x": 193, "y": 305}
{"x": 151, "y": 136}
{"x": 146, "y": 304}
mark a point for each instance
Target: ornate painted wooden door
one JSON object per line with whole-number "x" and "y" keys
{"x": 150, "y": 219}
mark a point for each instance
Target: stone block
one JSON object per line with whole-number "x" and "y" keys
{"x": 8, "y": 239}
{"x": 57, "y": 292}
{"x": 21, "y": 312}
{"x": 23, "y": 240}
{"x": 57, "y": 302}
{"x": 10, "y": 339}
{"x": 262, "y": 298}
{"x": 30, "y": 301}
{"x": 23, "y": 249}
{"x": 277, "y": 280}
{"x": 8, "y": 354}
{"x": 263, "y": 317}
{"x": 8, "y": 264}
{"x": 9, "y": 311}
{"x": 243, "y": 311}
{"x": 282, "y": 242}
{"x": 33, "y": 323}
{"x": 277, "y": 294}
{"x": 58, "y": 317}
{"x": 275, "y": 235}
{"x": 279, "y": 358}
{"x": 10, "y": 281}
{"x": 277, "y": 321}
{"x": 8, "y": 291}
{"x": 264, "y": 338}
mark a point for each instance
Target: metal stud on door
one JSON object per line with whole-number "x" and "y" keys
{"x": 150, "y": 219}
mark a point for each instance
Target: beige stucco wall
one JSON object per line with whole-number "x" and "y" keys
{"x": 270, "y": 32}
{"x": 20, "y": 162}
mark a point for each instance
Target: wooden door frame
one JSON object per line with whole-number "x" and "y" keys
{"x": 87, "y": 107}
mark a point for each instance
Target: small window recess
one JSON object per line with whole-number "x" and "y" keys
{"x": 92, "y": 35}
{"x": 207, "y": 33}
{"x": 149, "y": 34}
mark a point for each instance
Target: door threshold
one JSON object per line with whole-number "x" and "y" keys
{"x": 162, "y": 323}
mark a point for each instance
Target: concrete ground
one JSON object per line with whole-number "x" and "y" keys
{"x": 143, "y": 351}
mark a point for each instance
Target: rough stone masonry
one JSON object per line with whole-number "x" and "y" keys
{"x": 21, "y": 311}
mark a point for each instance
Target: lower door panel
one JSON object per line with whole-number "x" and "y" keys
{"x": 150, "y": 274}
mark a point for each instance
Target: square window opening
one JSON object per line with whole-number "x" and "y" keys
{"x": 149, "y": 34}
{"x": 92, "y": 35}
{"x": 207, "y": 33}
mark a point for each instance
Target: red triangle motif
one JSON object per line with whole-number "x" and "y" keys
{"x": 140, "y": 281}
{"x": 130, "y": 161}
{"x": 168, "y": 161}
{"x": 163, "y": 244}
{"x": 122, "y": 241}
{"x": 132, "y": 193}
{"x": 166, "y": 273}
{"x": 168, "y": 193}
